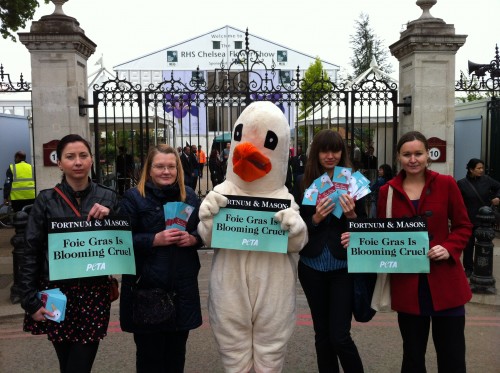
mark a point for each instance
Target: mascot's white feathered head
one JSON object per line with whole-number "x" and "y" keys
{"x": 258, "y": 158}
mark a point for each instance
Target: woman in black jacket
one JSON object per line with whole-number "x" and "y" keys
{"x": 215, "y": 167}
{"x": 165, "y": 258}
{"x": 477, "y": 190}
{"x": 76, "y": 339}
{"x": 323, "y": 261}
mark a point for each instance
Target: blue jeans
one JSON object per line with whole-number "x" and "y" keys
{"x": 329, "y": 295}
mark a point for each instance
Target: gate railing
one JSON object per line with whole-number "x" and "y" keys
{"x": 484, "y": 80}
{"x": 202, "y": 111}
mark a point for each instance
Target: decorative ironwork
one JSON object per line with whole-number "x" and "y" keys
{"x": 6, "y": 84}
{"x": 173, "y": 110}
{"x": 483, "y": 77}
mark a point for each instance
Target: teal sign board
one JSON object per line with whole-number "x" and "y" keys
{"x": 80, "y": 248}
{"x": 388, "y": 245}
{"x": 247, "y": 223}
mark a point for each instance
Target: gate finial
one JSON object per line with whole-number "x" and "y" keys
{"x": 58, "y": 10}
{"x": 426, "y": 5}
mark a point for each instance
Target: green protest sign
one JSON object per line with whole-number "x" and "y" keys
{"x": 79, "y": 248}
{"x": 388, "y": 245}
{"x": 247, "y": 223}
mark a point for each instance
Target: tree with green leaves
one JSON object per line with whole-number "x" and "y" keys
{"x": 314, "y": 86}
{"x": 366, "y": 45}
{"x": 14, "y": 14}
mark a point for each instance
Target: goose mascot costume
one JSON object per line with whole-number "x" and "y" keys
{"x": 252, "y": 293}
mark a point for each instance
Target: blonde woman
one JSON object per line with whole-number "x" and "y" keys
{"x": 162, "y": 347}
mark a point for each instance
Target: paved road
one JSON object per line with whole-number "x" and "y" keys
{"x": 378, "y": 341}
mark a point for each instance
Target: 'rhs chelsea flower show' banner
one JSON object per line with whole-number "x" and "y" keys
{"x": 80, "y": 248}
{"x": 247, "y": 223}
{"x": 388, "y": 245}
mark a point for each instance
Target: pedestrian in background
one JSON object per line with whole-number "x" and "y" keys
{"x": 477, "y": 190}
{"x": 298, "y": 163}
{"x": 124, "y": 169}
{"x": 384, "y": 175}
{"x": 215, "y": 167}
{"x": 225, "y": 156}
{"x": 76, "y": 338}
{"x": 165, "y": 258}
{"x": 437, "y": 297}
{"x": 187, "y": 166}
{"x": 202, "y": 160}
{"x": 193, "y": 159}
{"x": 323, "y": 261}
{"x": 19, "y": 186}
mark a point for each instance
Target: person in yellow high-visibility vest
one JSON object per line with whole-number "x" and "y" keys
{"x": 19, "y": 186}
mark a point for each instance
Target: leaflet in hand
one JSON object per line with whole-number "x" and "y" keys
{"x": 344, "y": 181}
{"x": 177, "y": 215}
{"x": 320, "y": 188}
{"x": 54, "y": 301}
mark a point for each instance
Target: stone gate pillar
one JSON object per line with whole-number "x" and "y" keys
{"x": 426, "y": 53}
{"x": 59, "y": 52}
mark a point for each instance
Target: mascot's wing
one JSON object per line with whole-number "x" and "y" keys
{"x": 292, "y": 222}
{"x": 208, "y": 209}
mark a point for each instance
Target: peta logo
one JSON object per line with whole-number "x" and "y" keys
{"x": 384, "y": 264}
{"x": 96, "y": 266}
{"x": 249, "y": 242}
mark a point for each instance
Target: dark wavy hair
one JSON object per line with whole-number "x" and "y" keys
{"x": 473, "y": 162}
{"x": 387, "y": 171}
{"x": 325, "y": 140}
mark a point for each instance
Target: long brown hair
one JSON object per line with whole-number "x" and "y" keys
{"x": 153, "y": 151}
{"x": 325, "y": 140}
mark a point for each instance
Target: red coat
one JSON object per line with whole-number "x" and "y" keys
{"x": 448, "y": 284}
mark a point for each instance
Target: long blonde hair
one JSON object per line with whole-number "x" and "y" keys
{"x": 153, "y": 151}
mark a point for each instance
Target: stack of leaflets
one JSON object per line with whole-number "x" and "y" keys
{"x": 177, "y": 215}
{"x": 54, "y": 301}
{"x": 344, "y": 181}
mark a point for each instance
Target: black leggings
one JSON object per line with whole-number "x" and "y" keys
{"x": 447, "y": 334}
{"x": 76, "y": 357}
{"x": 162, "y": 352}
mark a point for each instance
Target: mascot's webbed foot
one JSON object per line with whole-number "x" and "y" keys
{"x": 211, "y": 205}
{"x": 290, "y": 221}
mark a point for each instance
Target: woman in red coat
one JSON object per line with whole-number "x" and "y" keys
{"x": 440, "y": 295}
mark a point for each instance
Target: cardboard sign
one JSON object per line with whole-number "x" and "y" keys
{"x": 388, "y": 245}
{"x": 247, "y": 223}
{"x": 80, "y": 248}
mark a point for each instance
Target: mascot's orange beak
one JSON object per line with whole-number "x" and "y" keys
{"x": 249, "y": 163}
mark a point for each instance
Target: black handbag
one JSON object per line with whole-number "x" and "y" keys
{"x": 363, "y": 285}
{"x": 153, "y": 306}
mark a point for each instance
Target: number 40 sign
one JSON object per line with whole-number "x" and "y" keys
{"x": 437, "y": 149}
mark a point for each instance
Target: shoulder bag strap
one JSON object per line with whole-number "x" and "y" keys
{"x": 388, "y": 206}
{"x": 475, "y": 191}
{"x": 68, "y": 202}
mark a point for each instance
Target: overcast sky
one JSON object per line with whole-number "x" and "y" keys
{"x": 126, "y": 29}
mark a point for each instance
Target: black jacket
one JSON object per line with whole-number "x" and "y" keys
{"x": 327, "y": 232}
{"x": 187, "y": 166}
{"x": 487, "y": 187}
{"x": 216, "y": 171}
{"x": 154, "y": 264}
{"x": 49, "y": 204}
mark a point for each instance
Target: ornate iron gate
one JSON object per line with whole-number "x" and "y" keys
{"x": 479, "y": 83}
{"x": 203, "y": 111}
